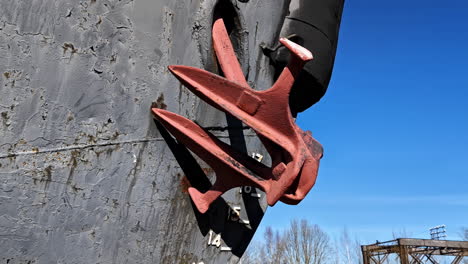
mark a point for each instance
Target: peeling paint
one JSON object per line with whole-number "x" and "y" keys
{"x": 78, "y": 80}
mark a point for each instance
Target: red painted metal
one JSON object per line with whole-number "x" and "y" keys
{"x": 295, "y": 154}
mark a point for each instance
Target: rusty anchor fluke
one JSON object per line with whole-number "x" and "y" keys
{"x": 295, "y": 154}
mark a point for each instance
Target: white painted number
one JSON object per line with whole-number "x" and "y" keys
{"x": 234, "y": 214}
{"x": 214, "y": 241}
{"x": 248, "y": 189}
{"x": 257, "y": 156}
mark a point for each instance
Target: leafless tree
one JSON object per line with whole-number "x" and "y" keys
{"x": 270, "y": 251}
{"x": 301, "y": 243}
{"x": 273, "y": 251}
{"x": 306, "y": 244}
{"x": 336, "y": 254}
{"x": 348, "y": 249}
{"x": 401, "y": 233}
{"x": 252, "y": 254}
{"x": 464, "y": 233}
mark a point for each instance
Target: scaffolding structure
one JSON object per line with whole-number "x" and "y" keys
{"x": 438, "y": 232}
{"x": 414, "y": 251}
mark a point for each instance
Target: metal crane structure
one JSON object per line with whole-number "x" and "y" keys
{"x": 415, "y": 251}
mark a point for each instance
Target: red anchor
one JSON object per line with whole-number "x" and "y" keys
{"x": 295, "y": 154}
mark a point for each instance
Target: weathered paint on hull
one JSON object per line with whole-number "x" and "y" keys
{"x": 85, "y": 174}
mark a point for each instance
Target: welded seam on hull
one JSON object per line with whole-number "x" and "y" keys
{"x": 86, "y": 146}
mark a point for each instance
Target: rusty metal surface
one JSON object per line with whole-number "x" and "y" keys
{"x": 411, "y": 250}
{"x": 85, "y": 175}
{"x": 295, "y": 154}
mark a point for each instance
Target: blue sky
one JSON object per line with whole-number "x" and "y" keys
{"x": 394, "y": 124}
